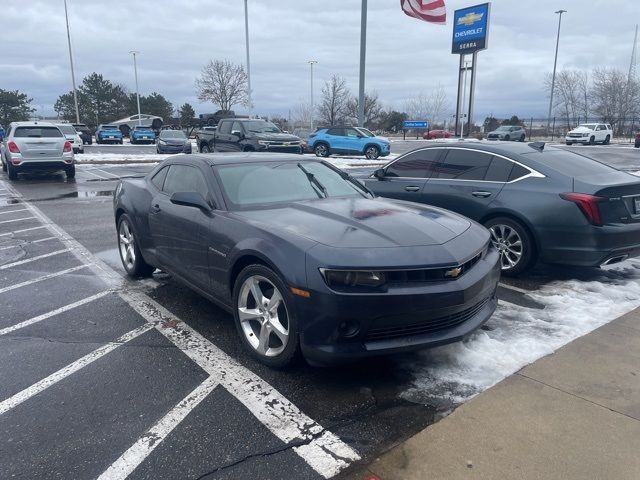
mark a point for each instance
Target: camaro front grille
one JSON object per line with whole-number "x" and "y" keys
{"x": 432, "y": 274}
{"x": 427, "y": 326}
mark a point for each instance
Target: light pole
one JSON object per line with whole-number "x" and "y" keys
{"x": 246, "y": 33}
{"x": 464, "y": 97}
{"x": 135, "y": 72}
{"x": 311, "y": 64}
{"x": 555, "y": 62}
{"x": 363, "y": 55}
{"x": 73, "y": 75}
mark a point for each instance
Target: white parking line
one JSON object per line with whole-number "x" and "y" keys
{"x": 108, "y": 173}
{"x": 40, "y": 279}
{"x": 321, "y": 449}
{"x": 515, "y": 289}
{"x": 14, "y": 211}
{"x": 87, "y": 170}
{"x": 23, "y": 230}
{"x": 32, "y": 259}
{"x": 16, "y": 219}
{"x": 54, "y": 378}
{"x": 19, "y": 245}
{"x": 129, "y": 460}
{"x": 53, "y": 313}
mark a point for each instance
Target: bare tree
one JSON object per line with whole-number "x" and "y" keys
{"x": 566, "y": 95}
{"x": 584, "y": 94}
{"x": 333, "y": 106}
{"x": 430, "y": 106}
{"x": 615, "y": 96}
{"x": 301, "y": 115}
{"x": 223, "y": 83}
{"x": 372, "y": 109}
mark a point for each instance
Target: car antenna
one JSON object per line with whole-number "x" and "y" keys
{"x": 537, "y": 146}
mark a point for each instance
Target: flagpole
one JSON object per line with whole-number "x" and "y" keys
{"x": 363, "y": 55}
{"x": 246, "y": 32}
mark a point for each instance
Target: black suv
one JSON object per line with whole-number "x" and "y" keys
{"x": 248, "y": 135}
{"x": 85, "y": 133}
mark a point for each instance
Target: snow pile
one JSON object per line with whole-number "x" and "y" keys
{"x": 518, "y": 336}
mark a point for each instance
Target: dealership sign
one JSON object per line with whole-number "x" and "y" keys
{"x": 407, "y": 124}
{"x": 470, "y": 29}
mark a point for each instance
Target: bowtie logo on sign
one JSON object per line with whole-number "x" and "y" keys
{"x": 470, "y": 18}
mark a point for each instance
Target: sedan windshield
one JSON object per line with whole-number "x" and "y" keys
{"x": 173, "y": 134}
{"x": 275, "y": 183}
{"x": 260, "y": 127}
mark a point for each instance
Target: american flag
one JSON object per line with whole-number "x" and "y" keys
{"x": 432, "y": 11}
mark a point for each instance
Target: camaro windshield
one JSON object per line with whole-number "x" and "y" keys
{"x": 273, "y": 183}
{"x": 261, "y": 127}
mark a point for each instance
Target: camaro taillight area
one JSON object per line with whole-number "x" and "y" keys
{"x": 588, "y": 204}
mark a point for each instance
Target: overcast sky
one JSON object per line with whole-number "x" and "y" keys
{"x": 404, "y": 56}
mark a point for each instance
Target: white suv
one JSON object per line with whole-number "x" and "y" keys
{"x": 590, "y": 133}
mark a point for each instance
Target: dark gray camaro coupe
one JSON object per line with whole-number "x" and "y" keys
{"x": 306, "y": 258}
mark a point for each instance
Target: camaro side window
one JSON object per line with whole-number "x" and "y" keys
{"x": 415, "y": 165}
{"x": 183, "y": 178}
{"x": 158, "y": 178}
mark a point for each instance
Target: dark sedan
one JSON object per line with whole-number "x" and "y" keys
{"x": 540, "y": 203}
{"x": 306, "y": 258}
{"x": 173, "y": 141}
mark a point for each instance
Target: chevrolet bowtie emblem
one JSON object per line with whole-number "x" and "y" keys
{"x": 470, "y": 18}
{"x": 453, "y": 273}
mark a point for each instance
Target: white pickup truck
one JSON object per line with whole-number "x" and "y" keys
{"x": 590, "y": 134}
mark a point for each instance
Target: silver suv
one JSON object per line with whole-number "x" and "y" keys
{"x": 508, "y": 132}
{"x": 32, "y": 146}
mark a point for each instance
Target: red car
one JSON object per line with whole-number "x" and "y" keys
{"x": 432, "y": 134}
{"x": 637, "y": 145}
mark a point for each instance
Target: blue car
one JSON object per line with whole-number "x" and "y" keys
{"x": 348, "y": 141}
{"x": 142, "y": 134}
{"x": 1, "y": 132}
{"x": 108, "y": 134}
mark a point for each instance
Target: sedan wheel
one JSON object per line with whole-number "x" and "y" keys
{"x": 513, "y": 243}
{"x": 265, "y": 323}
{"x": 205, "y": 149}
{"x": 372, "y": 153}
{"x": 130, "y": 255}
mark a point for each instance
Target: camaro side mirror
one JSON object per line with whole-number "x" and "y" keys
{"x": 191, "y": 199}
{"x": 379, "y": 173}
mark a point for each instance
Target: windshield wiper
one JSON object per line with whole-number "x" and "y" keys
{"x": 355, "y": 184}
{"x": 314, "y": 181}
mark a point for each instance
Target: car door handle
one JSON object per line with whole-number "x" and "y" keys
{"x": 412, "y": 188}
{"x": 155, "y": 208}
{"x": 481, "y": 194}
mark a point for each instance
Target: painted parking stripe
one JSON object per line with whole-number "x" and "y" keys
{"x": 21, "y": 231}
{"x": 515, "y": 289}
{"x": 108, "y": 173}
{"x": 53, "y": 313}
{"x": 14, "y": 211}
{"x": 16, "y": 219}
{"x": 33, "y": 259}
{"x": 129, "y": 460}
{"x": 46, "y": 239}
{"x": 87, "y": 170}
{"x": 320, "y": 448}
{"x": 40, "y": 279}
{"x": 63, "y": 373}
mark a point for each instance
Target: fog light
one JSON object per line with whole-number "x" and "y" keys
{"x": 349, "y": 328}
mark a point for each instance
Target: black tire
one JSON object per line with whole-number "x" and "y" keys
{"x": 121, "y": 142}
{"x": 372, "y": 152}
{"x": 132, "y": 140}
{"x": 507, "y": 138}
{"x": 607, "y": 140}
{"x": 205, "y": 148}
{"x": 4, "y": 166}
{"x": 138, "y": 267}
{"x": 290, "y": 352}
{"x": 508, "y": 249}
{"x": 70, "y": 171}
{"x": 522, "y": 138}
{"x": 321, "y": 150}
{"x": 12, "y": 172}
{"x": 248, "y": 149}
{"x": 592, "y": 140}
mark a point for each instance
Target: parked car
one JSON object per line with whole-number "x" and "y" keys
{"x": 590, "y": 134}
{"x": 348, "y": 141}
{"x": 507, "y": 133}
{"x": 637, "y": 144}
{"x": 433, "y": 134}
{"x": 36, "y": 146}
{"x": 142, "y": 135}
{"x": 173, "y": 141}
{"x": 125, "y": 125}
{"x": 108, "y": 134}
{"x": 306, "y": 258}
{"x": 303, "y": 134}
{"x": 540, "y": 203}
{"x": 72, "y": 135}
{"x": 247, "y": 135}
{"x": 2, "y": 133}
{"x": 85, "y": 133}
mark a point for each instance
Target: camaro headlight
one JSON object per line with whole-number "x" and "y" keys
{"x": 341, "y": 279}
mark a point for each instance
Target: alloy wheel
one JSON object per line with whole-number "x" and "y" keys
{"x": 372, "y": 153}
{"x": 509, "y": 245}
{"x": 263, "y": 316}
{"x": 321, "y": 150}
{"x": 126, "y": 242}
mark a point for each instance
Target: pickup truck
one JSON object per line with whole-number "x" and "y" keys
{"x": 247, "y": 135}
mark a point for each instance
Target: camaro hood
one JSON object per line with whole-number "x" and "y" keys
{"x": 362, "y": 223}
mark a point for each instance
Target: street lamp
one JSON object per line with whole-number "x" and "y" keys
{"x": 73, "y": 75}
{"x": 246, "y": 33}
{"x": 466, "y": 65}
{"x": 555, "y": 62}
{"x": 311, "y": 64}
{"x": 135, "y": 72}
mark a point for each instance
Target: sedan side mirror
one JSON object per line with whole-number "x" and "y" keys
{"x": 191, "y": 199}
{"x": 379, "y": 173}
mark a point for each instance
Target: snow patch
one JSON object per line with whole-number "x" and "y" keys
{"x": 518, "y": 336}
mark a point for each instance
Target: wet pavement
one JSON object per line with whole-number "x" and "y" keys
{"x": 105, "y": 377}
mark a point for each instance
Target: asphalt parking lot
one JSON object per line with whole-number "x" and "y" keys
{"x": 103, "y": 377}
